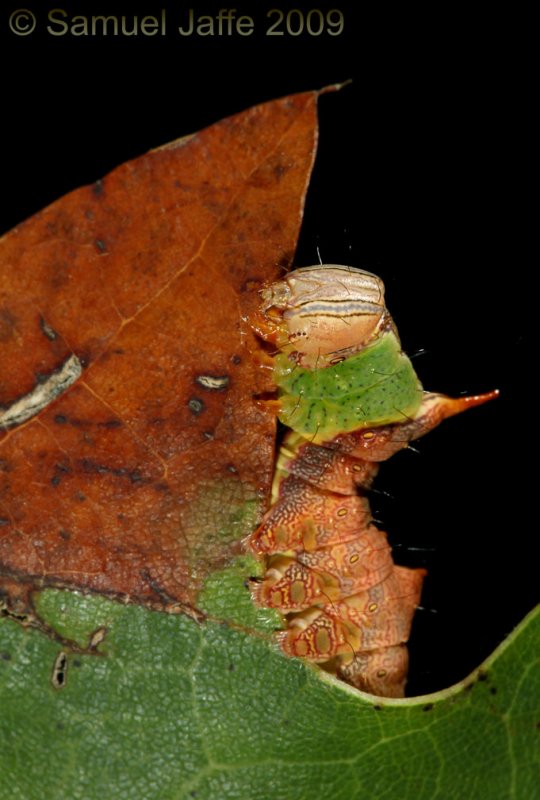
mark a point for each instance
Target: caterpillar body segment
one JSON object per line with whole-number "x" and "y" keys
{"x": 326, "y": 574}
{"x": 377, "y": 617}
{"x": 351, "y": 399}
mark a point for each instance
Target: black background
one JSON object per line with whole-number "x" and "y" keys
{"x": 420, "y": 177}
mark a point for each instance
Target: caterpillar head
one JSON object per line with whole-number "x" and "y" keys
{"x": 325, "y": 313}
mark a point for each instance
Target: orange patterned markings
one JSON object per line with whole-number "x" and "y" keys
{"x": 327, "y": 574}
{"x": 382, "y": 672}
{"x": 354, "y": 565}
{"x": 329, "y": 569}
{"x": 378, "y": 617}
{"x": 305, "y": 518}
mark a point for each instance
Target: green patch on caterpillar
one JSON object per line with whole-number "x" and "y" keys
{"x": 374, "y": 387}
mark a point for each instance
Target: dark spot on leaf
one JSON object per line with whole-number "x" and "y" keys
{"x": 5, "y": 656}
{"x": 483, "y": 676}
{"x": 59, "y": 673}
{"x": 133, "y": 475}
{"x": 77, "y": 663}
{"x": 60, "y": 726}
{"x": 79, "y": 496}
{"x": 65, "y": 535}
{"x": 110, "y": 423}
{"x": 213, "y": 383}
{"x": 236, "y": 359}
{"x": 427, "y": 707}
{"x": 195, "y": 405}
{"x": 4, "y": 521}
{"x": 60, "y": 470}
{"x": 231, "y": 667}
{"x": 162, "y": 486}
{"x": 47, "y": 331}
{"x": 377, "y": 708}
{"x": 60, "y": 419}
{"x": 101, "y": 246}
{"x": 493, "y": 690}
{"x": 7, "y": 325}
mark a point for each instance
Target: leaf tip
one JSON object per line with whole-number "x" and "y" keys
{"x": 334, "y": 87}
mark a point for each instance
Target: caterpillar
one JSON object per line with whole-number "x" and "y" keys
{"x": 351, "y": 399}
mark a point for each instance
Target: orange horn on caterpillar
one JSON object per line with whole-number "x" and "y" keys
{"x": 379, "y": 444}
{"x": 437, "y": 407}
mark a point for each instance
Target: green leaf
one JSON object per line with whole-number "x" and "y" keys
{"x": 148, "y": 705}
